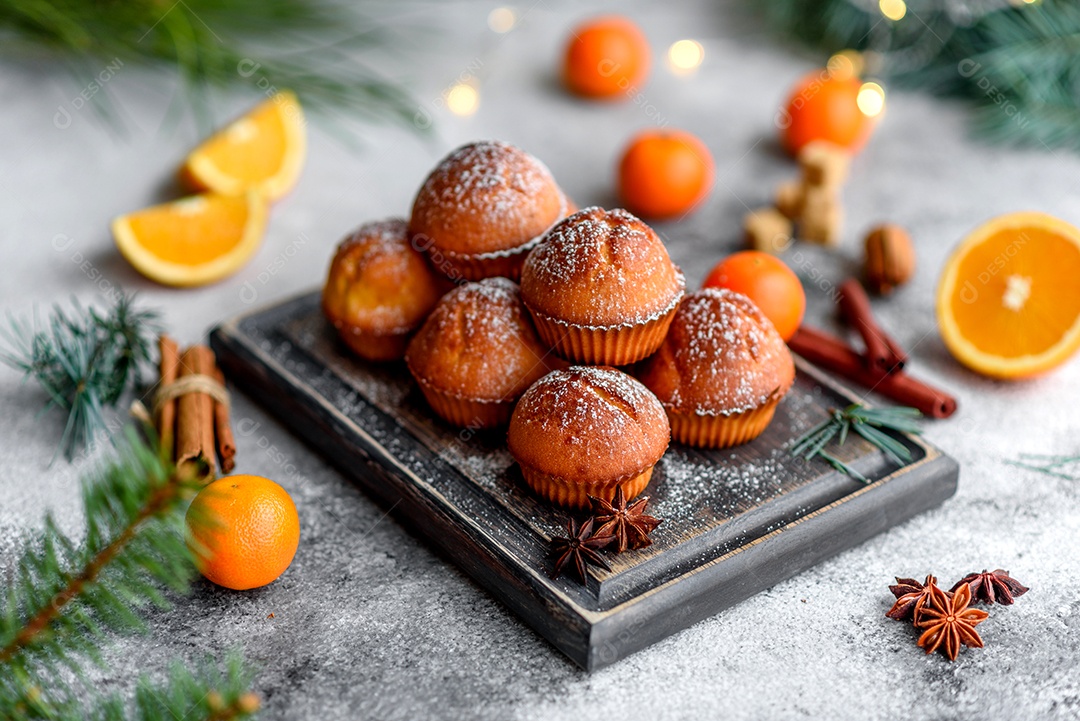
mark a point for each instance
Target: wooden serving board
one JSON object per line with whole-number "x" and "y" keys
{"x": 736, "y": 521}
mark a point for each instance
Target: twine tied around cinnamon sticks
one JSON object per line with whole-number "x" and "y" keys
{"x": 191, "y": 407}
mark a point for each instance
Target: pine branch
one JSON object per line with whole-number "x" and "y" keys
{"x": 84, "y": 360}
{"x": 869, "y": 423}
{"x": 64, "y": 596}
{"x": 309, "y": 46}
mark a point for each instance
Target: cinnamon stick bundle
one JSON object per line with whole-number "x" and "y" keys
{"x": 833, "y": 354}
{"x": 192, "y": 409}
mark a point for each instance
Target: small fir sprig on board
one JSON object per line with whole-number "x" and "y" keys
{"x": 871, "y": 424}
{"x": 307, "y": 46}
{"x": 1014, "y": 61}
{"x": 63, "y": 596}
{"x": 84, "y": 360}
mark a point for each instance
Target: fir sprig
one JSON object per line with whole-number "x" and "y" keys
{"x": 308, "y": 46}
{"x": 84, "y": 360}
{"x": 1015, "y": 61}
{"x": 64, "y": 595}
{"x": 871, "y": 424}
{"x": 1050, "y": 465}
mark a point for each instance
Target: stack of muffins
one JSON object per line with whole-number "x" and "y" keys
{"x": 597, "y": 290}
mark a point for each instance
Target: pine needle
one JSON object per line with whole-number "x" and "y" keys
{"x": 309, "y": 46}
{"x": 83, "y": 359}
{"x": 872, "y": 424}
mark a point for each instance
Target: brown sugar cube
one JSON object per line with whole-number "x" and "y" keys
{"x": 789, "y": 198}
{"x": 822, "y": 217}
{"x": 767, "y": 230}
{"x": 824, "y": 164}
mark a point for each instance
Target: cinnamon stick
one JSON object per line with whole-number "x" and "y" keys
{"x": 882, "y": 351}
{"x": 166, "y": 417}
{"x": 195, "y": 411}
{"x": 833, "y": 354}
{"x": 226, "y": 444}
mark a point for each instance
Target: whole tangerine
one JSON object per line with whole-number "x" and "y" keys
{"x": 664, "y": 173}
{"x": 243, "y": 531}
{"x": 607, "y": 57}
{"x": 766, "y": 280}
{"x": 824, "y": 106}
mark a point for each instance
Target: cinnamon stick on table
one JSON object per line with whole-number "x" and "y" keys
{"x": 166, "y": 417}
{"x": 226, "y": 444}
{"x": 195, "y": 412}
{"x": 833, "y": 354}
{"x": 882, "y": 351}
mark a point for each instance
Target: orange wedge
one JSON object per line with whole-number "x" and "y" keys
{"x": 264, "y": 151}
{"x": 195, "y": 240}
{"x": 1009, "y": 300}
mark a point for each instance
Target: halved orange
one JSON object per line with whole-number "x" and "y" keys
{"x": 263, "y": 150}
{"x": 195, "y": 240}
{"x": 1009, "y": 300}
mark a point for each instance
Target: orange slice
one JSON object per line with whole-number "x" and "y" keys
{"x": 1009, "y": 300}
{"x": 195, "y": 240}
{"x": 264, "y": 151}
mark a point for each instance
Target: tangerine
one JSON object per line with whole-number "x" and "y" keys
{"x": 825, "y": 106}
{"x": 606, "y": 57}
{"x": 664, "y": 173}
{"x": 766, "y": 280}
{"x": 243, "y": 530}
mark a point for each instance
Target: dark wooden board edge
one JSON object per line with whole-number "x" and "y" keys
{"x": 595, "y": 639}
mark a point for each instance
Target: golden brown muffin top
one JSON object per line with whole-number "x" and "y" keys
{"x": 486, "y": 197}
{"x": 479, "y": 343}
{"x": 378, "y": 282}
{"x": 721, "y": 356}
{"x": 601, "y": 268}
{"x": 588, "y": 424}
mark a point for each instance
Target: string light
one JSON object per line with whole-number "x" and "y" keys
{"x": 463, "y": 99}
{"x": 502, "y": 20}
{"x": 893, "y": 9}
{"x": 845, "y": 64}
{"x": 871, "y": 99}
{"x": 685, "y": 55}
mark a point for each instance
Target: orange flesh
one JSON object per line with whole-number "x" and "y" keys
{"x": 253, "y": 148}
{"x": 214, "y": 227}
{"x": 998, "y": 272}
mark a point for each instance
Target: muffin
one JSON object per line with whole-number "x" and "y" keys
{"x": 720, "y": 372}
{"x": 601, "y": 288}
{"x": 482, "y": 210}
{"x": 477, "y": 353}
{"x": 586, "y": 431}
{"x": 379, "y": 290}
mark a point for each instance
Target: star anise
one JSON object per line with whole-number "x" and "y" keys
{"x": 949, "y": 623}
{"x": 993, "y": 586}
{"x": 578, "y": 549}
{"x": 911, "y": 596}
{"x": 628, "y": 524}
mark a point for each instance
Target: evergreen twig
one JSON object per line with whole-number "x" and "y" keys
{"x": 84, "y": 360}
{"x": 1050, "y": 465}
{"x": 63, "y": 596}
{"x": 869, "y": 423}
{"x": 308, "y": 46}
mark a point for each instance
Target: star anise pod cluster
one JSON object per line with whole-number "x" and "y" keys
{"x": 618, "y": 526}
{"x": 945, "y": 617}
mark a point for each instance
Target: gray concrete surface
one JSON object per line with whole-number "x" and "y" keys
{"x": 368, "y": 623}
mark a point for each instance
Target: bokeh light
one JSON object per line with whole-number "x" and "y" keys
{"x": 502, "y": 20}
{"x": 871, "y": 99}
{"x": 893, "y": 9}
{"x": 685, "y": 55}
{"x": 463, "y": 99}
